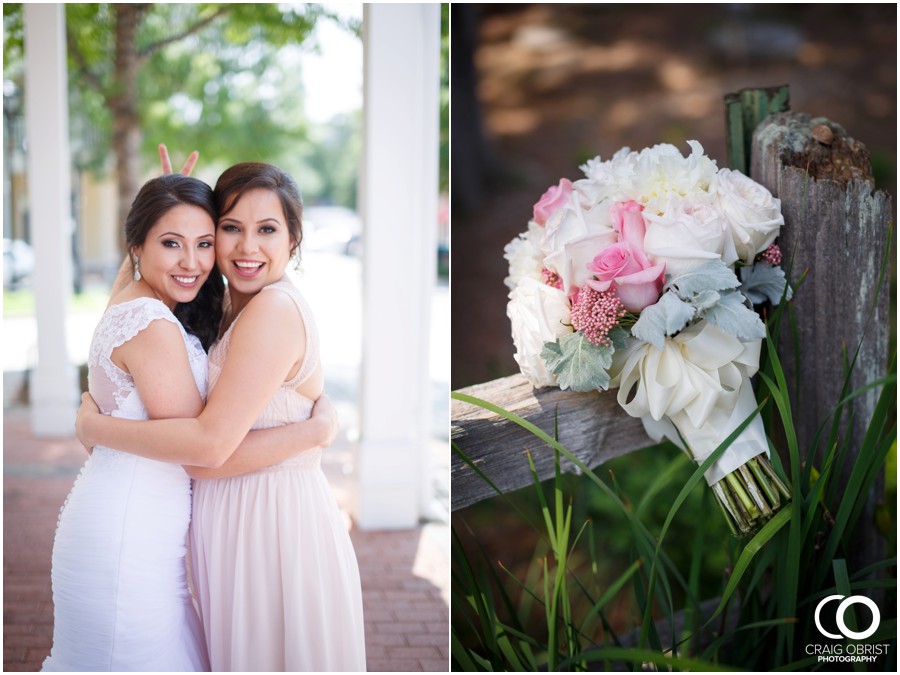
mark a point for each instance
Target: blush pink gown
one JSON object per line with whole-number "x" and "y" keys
{"x": 275, "y": 573}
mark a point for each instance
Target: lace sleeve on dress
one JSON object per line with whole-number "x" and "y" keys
{"x": 118, "y": 325}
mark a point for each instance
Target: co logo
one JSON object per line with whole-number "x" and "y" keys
{"x": 841, "y": 608}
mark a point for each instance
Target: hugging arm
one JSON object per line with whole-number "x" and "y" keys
{"x": 265, "y": 447}
{"x": 262, "y": 447}
{"x": 258, "y": 360}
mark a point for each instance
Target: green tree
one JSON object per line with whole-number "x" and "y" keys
{"x": 194, "y": 75}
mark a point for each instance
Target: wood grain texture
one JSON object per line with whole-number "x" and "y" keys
{"x": 836, "y": 229}
{"x": 592, "y": 426}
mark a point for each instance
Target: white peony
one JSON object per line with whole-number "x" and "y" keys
{"x": 686, "y": 234}
{"x": 752, "y": 215}
{"x": 524, "y": 256}
{"x": 609, "y": 180}
{"x": 539, "y": 313}
{"x": 661, "y": 172}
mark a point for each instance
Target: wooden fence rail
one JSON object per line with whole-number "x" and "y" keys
{"x": 592, "y": 426}
{"x": 836, "y": 229}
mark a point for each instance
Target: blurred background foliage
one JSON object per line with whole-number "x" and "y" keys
{"x": 223, "y": 78}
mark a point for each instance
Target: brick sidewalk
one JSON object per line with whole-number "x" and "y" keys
{"x": 405, "y": 574}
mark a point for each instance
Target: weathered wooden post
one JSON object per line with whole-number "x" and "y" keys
{"x": 836, "y": 230}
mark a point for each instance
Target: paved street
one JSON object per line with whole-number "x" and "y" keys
{"x": 405, "y": 574}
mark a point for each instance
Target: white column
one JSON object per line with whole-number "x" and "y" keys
{"x": 399, "y": 185}
{"x": 54, "y": 382}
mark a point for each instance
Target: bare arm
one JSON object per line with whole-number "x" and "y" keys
{"x": 262, "y": 447}
{"x": 157, "y": 360}
{"x": 258, "y": 361}
{"x": 265, "y": 447}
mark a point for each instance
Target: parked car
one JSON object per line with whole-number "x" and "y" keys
{"x": 18, "y": 262}
{"x": 335, "y": 229}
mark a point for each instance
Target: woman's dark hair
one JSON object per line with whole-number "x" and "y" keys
{"x": 157, "y": 197}
{"x": 240, "y": 178}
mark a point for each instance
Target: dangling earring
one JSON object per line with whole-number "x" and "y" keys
{"x": 137, "y": 268}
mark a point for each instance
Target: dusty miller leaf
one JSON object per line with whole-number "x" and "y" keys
{"x": 735, "y": 318}
{"x": 712, "y": 275}
{"x": 619, "y": 337}
{"x": 704, "y": 299}
{"x": 578, "y": 364}
{"x": 666, "y": 317}
{"x": 764, "y": 281}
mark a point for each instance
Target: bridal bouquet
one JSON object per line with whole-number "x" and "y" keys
{"x": 642, "y": 276}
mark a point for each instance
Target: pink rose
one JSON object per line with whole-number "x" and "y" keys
{"x": 629, "y": 223}
{"x": 625, "y": 268}
{"x": 551, "y": 200}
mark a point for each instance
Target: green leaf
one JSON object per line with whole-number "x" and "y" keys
{"x": 764, "y": 281}
{"x": 735, "y": 318}
{"x": 713, "y": 275}
{"x": 666, "y": 317}
{"x": 578, "y": 364}
{"x": 619, "y": 337}
{"x": 705, "y": 299}
{"x": 753, "y": 547}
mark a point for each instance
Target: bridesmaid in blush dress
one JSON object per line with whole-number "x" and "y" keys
{"x": 275, "y": 571}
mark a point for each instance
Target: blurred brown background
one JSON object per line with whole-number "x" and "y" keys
{"x": 539, "y": 89}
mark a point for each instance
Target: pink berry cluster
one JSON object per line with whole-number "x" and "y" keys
{"x": 551, "y": 278}
{"x": 595, "y": 313}
{"x": 772, "y": 255}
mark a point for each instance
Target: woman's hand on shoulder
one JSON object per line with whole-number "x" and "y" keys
{"x": 87, "y": 411}
{"x": 325, "y": 414}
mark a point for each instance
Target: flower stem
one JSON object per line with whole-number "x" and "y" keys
{"x": 771, "y": 492}
{"x": 749, "y": 495}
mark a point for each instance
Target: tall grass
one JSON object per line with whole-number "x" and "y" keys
{"x": 761, "y": 616}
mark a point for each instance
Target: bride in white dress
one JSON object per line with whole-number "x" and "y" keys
{"x": 120, "y": 594}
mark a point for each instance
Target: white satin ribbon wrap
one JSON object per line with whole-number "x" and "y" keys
{"x": 700, "y": 384}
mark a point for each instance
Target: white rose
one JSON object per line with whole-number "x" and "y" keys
{"x": 752, "y": 215}
{"x": 524, "y": 256}
{"x": 573, "y": 236}
{"x": 538, "y": 314}
{"x": 686, "y": 234}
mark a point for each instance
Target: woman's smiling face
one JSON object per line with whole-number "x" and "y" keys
{"x": 253, "y": 244}
{"x": 177, "y": 254}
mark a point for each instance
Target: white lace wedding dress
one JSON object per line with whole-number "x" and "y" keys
{"x": 120, "y": 595}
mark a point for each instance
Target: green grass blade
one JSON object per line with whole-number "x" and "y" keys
{"x": 639, "y": 657}
{"x": 753, "y": 547}
{"x": 611, "y": 592}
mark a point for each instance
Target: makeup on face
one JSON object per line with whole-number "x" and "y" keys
{"x": 178, "y": 254}
{"x": 253, "y": 244}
